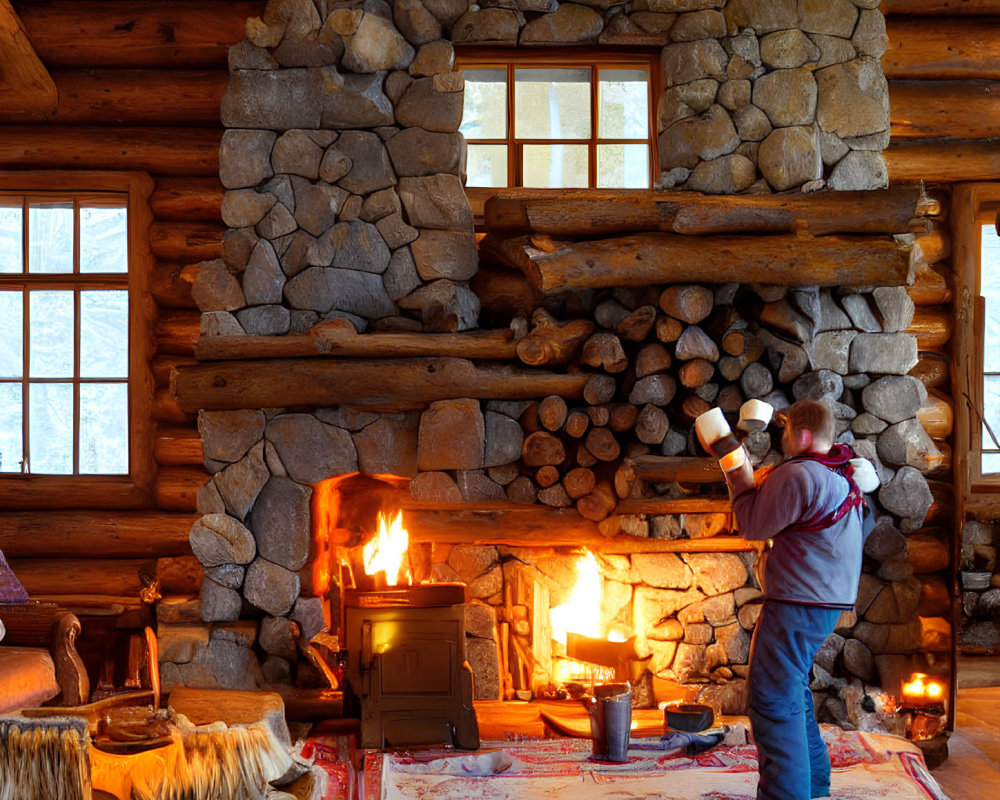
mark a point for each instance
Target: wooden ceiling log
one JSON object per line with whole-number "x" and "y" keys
{"x": 26, "y": 88}
{"x": 647, "y": 259}
{"x": 191, "y": 34}
{"x": 121, "y": 97}
{"x": 94, "y": 534}
{"x": 942, "y": 48}
{"x": 160, "y": 151}
{"x": 379, "y": 385}
{"x": 942, "y": 109}
{"x": 594, "y": 212}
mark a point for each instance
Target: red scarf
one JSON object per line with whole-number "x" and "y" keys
{"x": 837, "y": 460}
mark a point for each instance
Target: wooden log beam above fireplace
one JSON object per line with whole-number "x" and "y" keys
{"x": 646, "y": 259}
{"x": 380, "y": 385}
{"x": 339, "y": 338}
{"x": 540, "y": 526}
{"x": 595, "y": 212}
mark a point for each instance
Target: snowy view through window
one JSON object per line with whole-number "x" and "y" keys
{"x": 64, "y": 326}
{"x": 563, "y": 134}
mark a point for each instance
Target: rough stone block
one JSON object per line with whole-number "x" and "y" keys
{"x": 451, "y": 436}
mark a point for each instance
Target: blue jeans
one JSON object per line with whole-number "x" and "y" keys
{"x": 794, "y": 762}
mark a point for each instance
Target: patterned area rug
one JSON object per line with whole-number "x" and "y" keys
{"x": 866, "y": 767}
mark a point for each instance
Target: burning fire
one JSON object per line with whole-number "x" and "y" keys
{"x": 387, "y": 551}
{"x": 582, "y": 612}
{"x": 922, "y": 690}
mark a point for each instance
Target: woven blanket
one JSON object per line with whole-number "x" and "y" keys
{"x": 865, "y": 767}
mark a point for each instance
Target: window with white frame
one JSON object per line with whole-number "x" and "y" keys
{"x": 561, "y": 122}
{"x": 64, "y": 334}
{"x": 989, "y": 290}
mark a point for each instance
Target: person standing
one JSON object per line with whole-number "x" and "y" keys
{"x": 811, "y": 510}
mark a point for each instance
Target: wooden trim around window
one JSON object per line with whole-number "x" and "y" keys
{"x": 23, "y": 492}
{"x": 471, "y": 57}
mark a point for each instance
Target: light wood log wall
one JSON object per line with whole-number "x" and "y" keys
{"x": 139, "y": 86}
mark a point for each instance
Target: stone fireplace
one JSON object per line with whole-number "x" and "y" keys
{"x": 341, "y": 334}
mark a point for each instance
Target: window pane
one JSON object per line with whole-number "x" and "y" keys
{"x": 623, "y": 104}
{"x": 11, "y": 237}
{"x": 484, "y": 115}
{"x": 552, "y": 104}
{"x": 11, "y": 334}
{"x": 555, "y": 165}
{"x": 990, "y": 287}
{"x": 103, "y": 429}
{"x": 10, "y": 427}
{"x": 486, "y": 165}
{"x": 991, "y": 410}
{"x": 50, "y": 237}
{"x": 623, "y": 166}
{"x": 50, "y": 415}
{"x": 103, "y": 239}
{"x": 104, "y": 334}
{"x": 990, "y": 463}
{"x": 50, "y": 328}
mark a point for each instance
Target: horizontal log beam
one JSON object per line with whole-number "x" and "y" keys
{"x": 983, "y": 506}
{"x": 94, "y": 534}
{"x": 26, "y": 87}
{"x": 176, "y": 331}
{"x": 339, "y": 338}
{"x": 540, "y": 526}
{"x": 699, "y": 504}
{"x": 168, "y": 288}
{"x": 683, "y": 469}
{"x": 136, "y": 33}
{"x": 186, "y": 242}
{"x": 177, "y": 446}
{"x": 391, "y": 385}
{"x": 646, "y": 259}
{"x": 56, "y": 492}
{"x": 160, "y": 151}
{"x": 939, "y": 7}
{"x": 942, "y": 48}
{"x": 944, "y": 161}
{"x": 112, "y": 576}
{"x": 187, "y": 199}
{"x": 594, "y": 212}
{"x": 176, "y": 488}
{"x": 156, "y": 97}
{"x": 944, "y": 109}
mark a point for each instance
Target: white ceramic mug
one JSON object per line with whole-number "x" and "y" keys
{"x": 754, "y": 415}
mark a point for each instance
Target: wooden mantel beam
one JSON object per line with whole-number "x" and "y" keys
{"x": 25, "y": 84}
{"x": 380, "y": 385}
{"x": 595, "y": 212}
{"x": 646, "y": 259}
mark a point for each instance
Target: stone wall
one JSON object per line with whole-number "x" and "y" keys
{"x": 343, "y": 168}
{"x": 979, "y": 580}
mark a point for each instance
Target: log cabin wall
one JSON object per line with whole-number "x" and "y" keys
{"x": 138, "y": 87}
{"x": 137, "y": 123}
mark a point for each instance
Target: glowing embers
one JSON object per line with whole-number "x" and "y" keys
{"x": 386, "y": 553}
{"x": 923, "y": 706}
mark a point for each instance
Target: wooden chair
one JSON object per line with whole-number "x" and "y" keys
{"x": 48, "y": 626}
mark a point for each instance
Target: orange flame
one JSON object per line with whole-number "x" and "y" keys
{"x": 923, "y": 690}
{"x": 582, "y": 612}
{"x": 387, "y": 551}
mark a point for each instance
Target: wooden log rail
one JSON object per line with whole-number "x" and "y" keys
{"x": 339, "y": 338}
{"x": 594, "y": 212}
{"x": 94, "y": 534}
{"x": 379, "y": 385}
{"x": 540, "y": 526}
{"x": 646, "y": 259}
